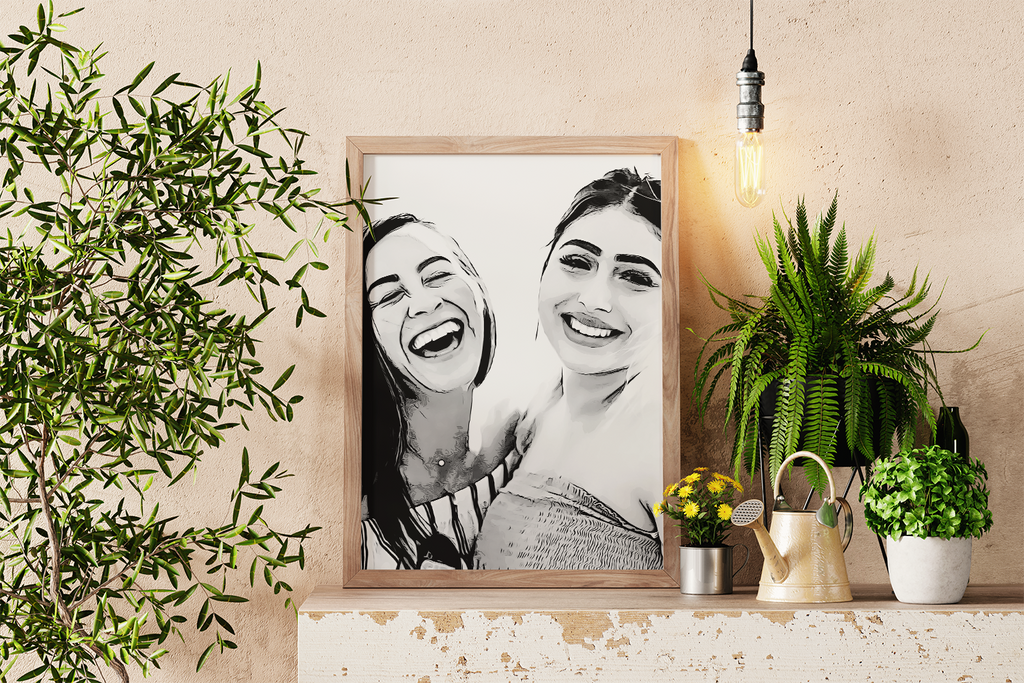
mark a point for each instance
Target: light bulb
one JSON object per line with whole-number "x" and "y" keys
{"x": 750, "y": 123}
{"x": 749, "y": 168}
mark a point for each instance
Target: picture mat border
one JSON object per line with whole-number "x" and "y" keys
{"x": 355, "y": 577}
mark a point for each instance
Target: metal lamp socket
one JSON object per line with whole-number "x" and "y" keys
{"x": 750, "y": 111}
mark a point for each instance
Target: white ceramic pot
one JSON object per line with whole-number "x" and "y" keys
{"x": 929, "y": 571}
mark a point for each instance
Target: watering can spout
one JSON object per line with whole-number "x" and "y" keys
{"x": 750, "y": 513}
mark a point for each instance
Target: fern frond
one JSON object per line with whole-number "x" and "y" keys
{"x": 826, "y": 225}
{"x": 792, "y": 282}
{"x": 839, "y": 259}
{"x": 702, "y": 391}
{"x": 821, "y": 417}
{"x": 767, "y": 254}
{"x": 816, "y": 476}
{"x": 753, "y": 400}
{"x": 717, "y": 296}
{"x": 746, "y": 441}
{"x": 745, "y": 335}
{"x": 777, "y": 446}
{"x": 796, "y": 247}
{"x": 916, "y": 392}
{"x": 887, "y": 417}
{"x": 792, "y": 412}
{"x": 863, "y": 268}
{"x": 855, "y": 395}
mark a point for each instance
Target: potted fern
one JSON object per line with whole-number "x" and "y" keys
{"x": 835, "y": 362}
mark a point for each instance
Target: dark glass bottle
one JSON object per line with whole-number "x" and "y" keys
{"x": 950, "y": 433}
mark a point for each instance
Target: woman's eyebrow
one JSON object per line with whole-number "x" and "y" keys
{"x": 381, "y": 281}
{"x": 419, "y": 269}
{"x": 426, "y": 262}
{"x": 583, "y": 244}
{"x": 640, "y": 260}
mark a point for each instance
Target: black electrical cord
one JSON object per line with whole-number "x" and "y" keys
{"x": 750, "y": 61}
{"x": 751, "y": 25}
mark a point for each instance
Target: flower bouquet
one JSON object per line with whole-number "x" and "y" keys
{"x": 701, "y": 503}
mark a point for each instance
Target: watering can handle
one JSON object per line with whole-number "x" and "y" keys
{"x": 847, "y": 522}
{"x": 828, "y": 473}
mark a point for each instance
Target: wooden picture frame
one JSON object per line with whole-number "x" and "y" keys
{"x": 369, "y": 159}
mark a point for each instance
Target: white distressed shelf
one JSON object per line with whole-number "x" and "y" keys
{"x": 434, "y": 635}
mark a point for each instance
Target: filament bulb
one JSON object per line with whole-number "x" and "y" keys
{"x": 749, "y": 168}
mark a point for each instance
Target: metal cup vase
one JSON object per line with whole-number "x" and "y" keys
{"x": 707, "y": 571}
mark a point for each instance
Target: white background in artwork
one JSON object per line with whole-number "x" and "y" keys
{"x": 502, "y": 210}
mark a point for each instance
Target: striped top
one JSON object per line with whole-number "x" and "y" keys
{"x": 546, "y": 522}
{"x": 456, "y": 516}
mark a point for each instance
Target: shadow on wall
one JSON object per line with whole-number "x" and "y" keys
{"x": 706, "y": 245}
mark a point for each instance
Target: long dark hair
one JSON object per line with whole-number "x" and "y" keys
{"x": 622, "y": 187}
{"x": 385, "y": 431}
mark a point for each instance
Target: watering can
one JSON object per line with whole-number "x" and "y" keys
{"x": 803, "y": 556}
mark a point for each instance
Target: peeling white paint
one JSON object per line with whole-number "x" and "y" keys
{"x": 834, "y": 645}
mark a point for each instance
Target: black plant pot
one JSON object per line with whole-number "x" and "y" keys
{"x": 843, "y": 456}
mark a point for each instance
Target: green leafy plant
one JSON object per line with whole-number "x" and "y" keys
{"x": 131, "y": 218}
{"x": 839, "y": 351}
{"x": 702, "y": 506}
{"x": 927, "y": 492}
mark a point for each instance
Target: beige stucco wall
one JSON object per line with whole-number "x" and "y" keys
{"x": 911, "y": 110}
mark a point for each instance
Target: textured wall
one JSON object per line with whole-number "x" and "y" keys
{"x": 906, "y": 108}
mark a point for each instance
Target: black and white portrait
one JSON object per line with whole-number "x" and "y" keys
{"x": 512, "y": 362}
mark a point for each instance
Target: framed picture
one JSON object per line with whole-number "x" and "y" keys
{"x": 512, "y": 363}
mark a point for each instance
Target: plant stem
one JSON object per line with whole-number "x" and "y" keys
{"x": 51, "y": 533}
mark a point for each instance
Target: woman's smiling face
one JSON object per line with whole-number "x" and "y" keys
{"x": 600, "y": 296}
{"x": 426, "y": 316}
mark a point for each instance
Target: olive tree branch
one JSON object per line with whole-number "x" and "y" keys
{"x": 51, "y": 534}
{"x": 170, "y": 542}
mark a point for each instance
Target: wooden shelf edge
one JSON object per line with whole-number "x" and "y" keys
{"x": 870, "y": 597}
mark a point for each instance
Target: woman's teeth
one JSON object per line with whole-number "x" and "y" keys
{"x": 445, "y": 329}
{"x": 587, "y": 330}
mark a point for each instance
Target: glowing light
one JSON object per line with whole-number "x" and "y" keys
{"x": 750, "y": 185}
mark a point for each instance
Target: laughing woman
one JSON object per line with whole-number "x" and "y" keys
{"x": 428, "y": 343}
{"x": 591, "y": 447}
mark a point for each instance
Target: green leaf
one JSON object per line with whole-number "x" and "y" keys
{"x": 167, "y": 82}
{"x": 141, "y": 76}
{"x": 283, "y": 378}
{"x": 206, "y": 655}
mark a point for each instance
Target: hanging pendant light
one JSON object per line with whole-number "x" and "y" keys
{"x": 750, "y": 185}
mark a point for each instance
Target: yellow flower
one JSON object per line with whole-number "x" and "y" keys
{"x": 725, "y": 512}
{"x": 670, "y": 489}
{"x": 700, "y": 469}
{"x": 684, "y": 492}
{"x": 735, "y": 484}
{"x": 716, "y": 486}
{"x": 691, "y": 510}
{"x": 658, "y": 508}
{"x": 691, "y": 478}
